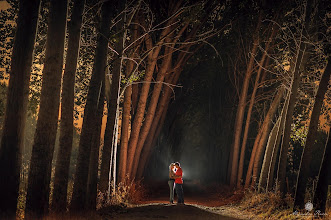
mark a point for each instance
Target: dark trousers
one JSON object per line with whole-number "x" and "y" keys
{"x": 179, "y": 192}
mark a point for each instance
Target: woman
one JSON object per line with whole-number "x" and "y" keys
{"x": 171, "y": 181}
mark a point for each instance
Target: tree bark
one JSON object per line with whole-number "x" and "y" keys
{"x": 16, "y": 106}
{"x": 248, "y": 121}
{"x": 295, "y": 67}
{"x": 81, "y": 175}
{"x": 240, "y": 114}
{"x": 135, "y": 97}
{"x": 306, "y": 157}
{"x": 125, "y": 126}
{"x": 151, "y": 109}
{"x": 321, "y": 192}
{"x": 271, "y": 150}
{"x": 158, "y": 122}
{"x": 44, "y": 140}
{"x": 261, "y": 139}
{"x": 136, "y": 125}
{"x": 251, "y": 161}
{"x": 128, "y": 112}
{"x": 249, "y": 112}
{"x": 111, "y": 118}
{"x": 91, "y": 200}
{"x": 266, "y": 130}
{"x": 267, "y": 156}
{"x": 59, "y": 201}
{"x": 152, "y": 138}
{"x": 160, "y": 114}
{"x": 105, "y": 165}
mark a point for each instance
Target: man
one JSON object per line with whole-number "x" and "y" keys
{"x": 179, "y": 183}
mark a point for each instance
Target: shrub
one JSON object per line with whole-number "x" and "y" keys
{"x": 125, "y": 193}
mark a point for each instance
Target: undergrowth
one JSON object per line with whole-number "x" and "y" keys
{"x": 125, "y": 193}
{"x": 270, "y": 205}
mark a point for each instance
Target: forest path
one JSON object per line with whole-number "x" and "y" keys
{"x": 199, "y": 205}
{"x": 168, "y": 211}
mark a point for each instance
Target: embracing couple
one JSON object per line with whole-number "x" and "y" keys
{"x": 175, "y": 179}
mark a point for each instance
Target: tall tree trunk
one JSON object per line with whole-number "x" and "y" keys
{"x": 125, "y": 126}
{"x": 151, "y": 141}
{"x": 266, "y": 130}
{"x": 257, "y": 143}
{"x": 165, "y": 67}
{"x": 248, "y": 121}
{"x": 126, "y": 115}
{"x": 298, "y": 66}
{"x": 158, "y": 122}
{"x": 151, "y": 109}
{"x": 136, "y": 125}
{"x": 276, "y": 147}
{"x": 59, "y": 201}
{"x": 16, "y": 106}
{"x": 321, "y": 192}
{"x": 267, "y": 156}
{"x": 44, "y": 140}
{"x": 295, "y": 67}
{"x": 135, "y": 97}
{"x": 304, "y": 170}
{"x": 105, "y": 160}
{"x": 240, "y": 115}
{"x": 249, "y": 112}
{"x": 160, "y": 114}
{"x": 91, "y": 200}
{"x": 271, "y": 145}
{"x": 251, "y": 160}
{"x": 111, "y": 118}
{"x": 81, "y": 175}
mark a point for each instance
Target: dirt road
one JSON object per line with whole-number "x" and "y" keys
{"x": 166, "y": 211}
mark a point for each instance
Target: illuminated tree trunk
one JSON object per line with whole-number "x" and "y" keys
{"x": 307, "y": 153}
{"x": 248, "y": 120}
{"x": 251, "y": 161}
{"x": 281, "y": 173}
{"x": 157, "y": 124}
{"x": 91, "y": 200}
{"x": 44, "y": 140}
{"x": 267, "y": 156}
{"x": 271, "y": 150}
{"x": 261, "y": 139}
{"x": 127, "y": 110}
{"x": 16, "y": 106}
{"x": 111, "y": 117}
{"x": 240, "y": 115}
{"x": 125, "y": 126}
{"x": 104, "y": 170}
{"x": 249, "y": 112}
{"x": 139, "y": 116}
{"x": 81, "y": 175}
{"x": 321, "y": 192}
{"x": 135, "y": 97}
{"x": 59, "y": 201}
{"x": 153, "y": 135}
{"x": 151, "y": 109}
{"x": 266, "y": 130}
